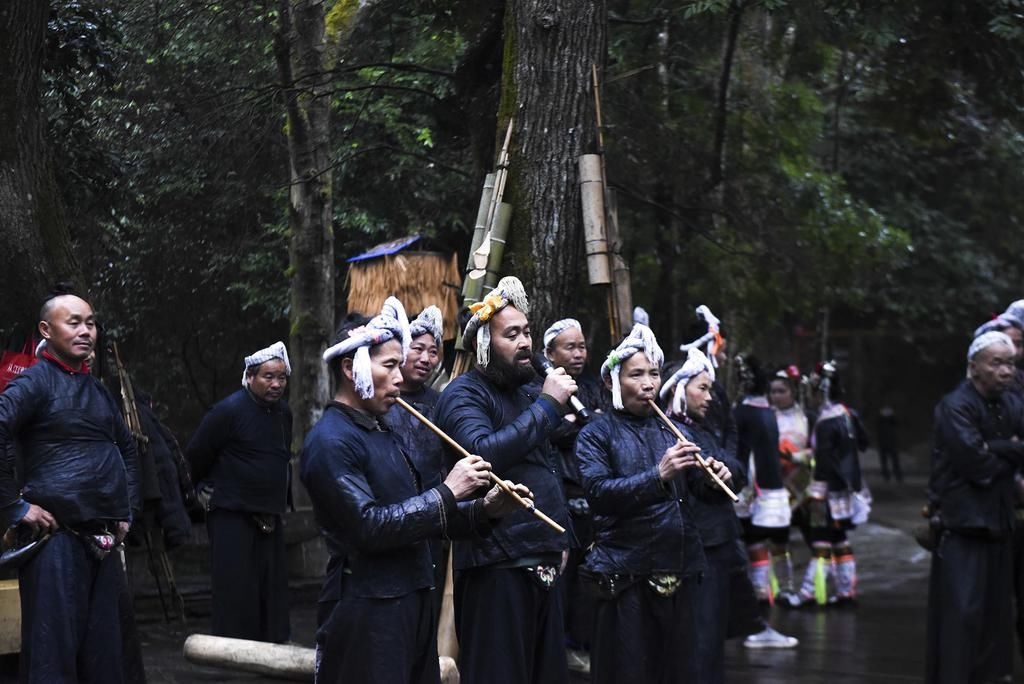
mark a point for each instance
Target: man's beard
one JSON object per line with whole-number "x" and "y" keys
{"x": 506, "y": 374}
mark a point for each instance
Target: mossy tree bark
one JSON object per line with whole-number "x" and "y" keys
{"x": 550, "y": 46}
{"x": 36, "y": 250}
{"x": 302, "y": 54}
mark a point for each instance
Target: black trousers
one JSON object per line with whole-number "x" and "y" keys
{"x": 378, "y": 640}
{"x": 71, "y": 615}
{"x": 969, "y": 615}
{"x": 642, "y": 637}
{"x": 1018, "y": 581}
{"x": 510, "y": 628}
{"x": 579, "y": 603}
{"x": 249, "y": 578}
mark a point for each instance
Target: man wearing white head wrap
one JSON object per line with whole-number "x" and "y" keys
{"x": 646, "y": 557}
{"x": 566, "y": 347}
{"x": 378, "y": 512}
{"x": 977, "y": 449}
{"x": 510, "y": 621}
{"x": 423, "y": 446}
{"x": 726, "y": 604}
{"x": 276, "y": 351}
{"x": 240, "y": 458}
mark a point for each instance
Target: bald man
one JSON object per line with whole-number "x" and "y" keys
{"x": 77, "y": 490}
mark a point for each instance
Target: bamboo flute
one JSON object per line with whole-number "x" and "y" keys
{"x": 700, "y": 460}
{"x": 525, "y": 503}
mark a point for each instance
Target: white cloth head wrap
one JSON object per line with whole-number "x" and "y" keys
{"x": 696, "y": 363}
{"x": 986, "y": 340}
{"x": 391, "y": 323}
{"x": 641, "y": 316}
{"x": 274, "y": 351}
{"x": 1015, "y": 313}
{"x": 999, "y": 323}
{"x": 711, "y": 338}
{"x": 509, "y": 291}
{"x": 556, "y": 329}
{"x": 429, "y": 321}
{"x": 640, "y": 339}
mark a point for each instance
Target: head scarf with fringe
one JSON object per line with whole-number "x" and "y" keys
{"x": 712, "y": 338}
{"x": 274, "y": 351}
{"x": 390, "y": 324}
{"x": 556, "y": 329}
{"x": 696, "y": 363}
{"x": 428, "y": 322}
{"x": 509, "y": 291}
{"x": 641, "y": 316}
{"x": 640, "y": 339}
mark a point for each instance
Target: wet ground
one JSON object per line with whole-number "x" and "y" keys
{"x": 879, "y": 641}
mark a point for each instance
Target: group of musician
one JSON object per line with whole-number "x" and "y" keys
{"x": 632, "y": 521}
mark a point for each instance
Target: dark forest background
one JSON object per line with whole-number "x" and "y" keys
{"x": 785, "y": 162}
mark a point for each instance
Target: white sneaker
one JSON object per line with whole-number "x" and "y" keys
{"x": 769, "y": 638}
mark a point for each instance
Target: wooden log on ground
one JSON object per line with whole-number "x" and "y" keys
{"x": 294, "y": 663}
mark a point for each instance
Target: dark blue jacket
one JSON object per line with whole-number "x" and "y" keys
{"x": 720, "y": 420}
{"x": 641, "y": 525}
{"x": 421, "y": 445}
{"x": 714, "y": 514}
{"x": 595, "y": 396}
{"x": 242, "y": 447}
{"x": 757, "y": 432}
{"x": 974, "y": 460}
{"x": 838, "y": 441}
{"x": 511, "y": 429}
{"x": 79, "y": 459}
{"x": 373, "y": 511}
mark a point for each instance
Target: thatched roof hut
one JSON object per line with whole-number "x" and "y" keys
{"x": 417, "y": 278}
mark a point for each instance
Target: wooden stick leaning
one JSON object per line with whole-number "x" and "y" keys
{"x": 525, "y": 503}
{"x": 703, "y": 463}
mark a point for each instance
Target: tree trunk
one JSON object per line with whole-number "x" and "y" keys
{"x": 36, "y": 250}
{"x": 301, "y": 56}
{"x": 550, "y": 46}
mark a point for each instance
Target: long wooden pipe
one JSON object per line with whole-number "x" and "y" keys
{"x": 703, "y": 463}
{"x": 525, "y": 503}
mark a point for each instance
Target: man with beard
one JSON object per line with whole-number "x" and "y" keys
{"x": 422, "y": 445}
{"x": 376, "y": 621}
{"x": 647, "y": 556}
{"x": 240, "y": 463}
{"x": 77, "y": 491}
{"x": 978, "y": 431}
{"x": 508, "y": 609}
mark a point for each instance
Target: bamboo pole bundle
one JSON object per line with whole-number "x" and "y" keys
{"x": 498, "y": 235}
{"x": 471, "y": 287}
{"x": 592, "y": 198}
{"x": 620, "y": 295}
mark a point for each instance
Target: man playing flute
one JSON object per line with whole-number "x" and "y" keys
{"x": 647, "y": 553}
{"x": 508, "y": 609}
{"x": 376, "y": 621}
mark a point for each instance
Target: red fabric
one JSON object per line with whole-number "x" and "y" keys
{"x": 84, "y": 369}
{"x": 13, "y": 363}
